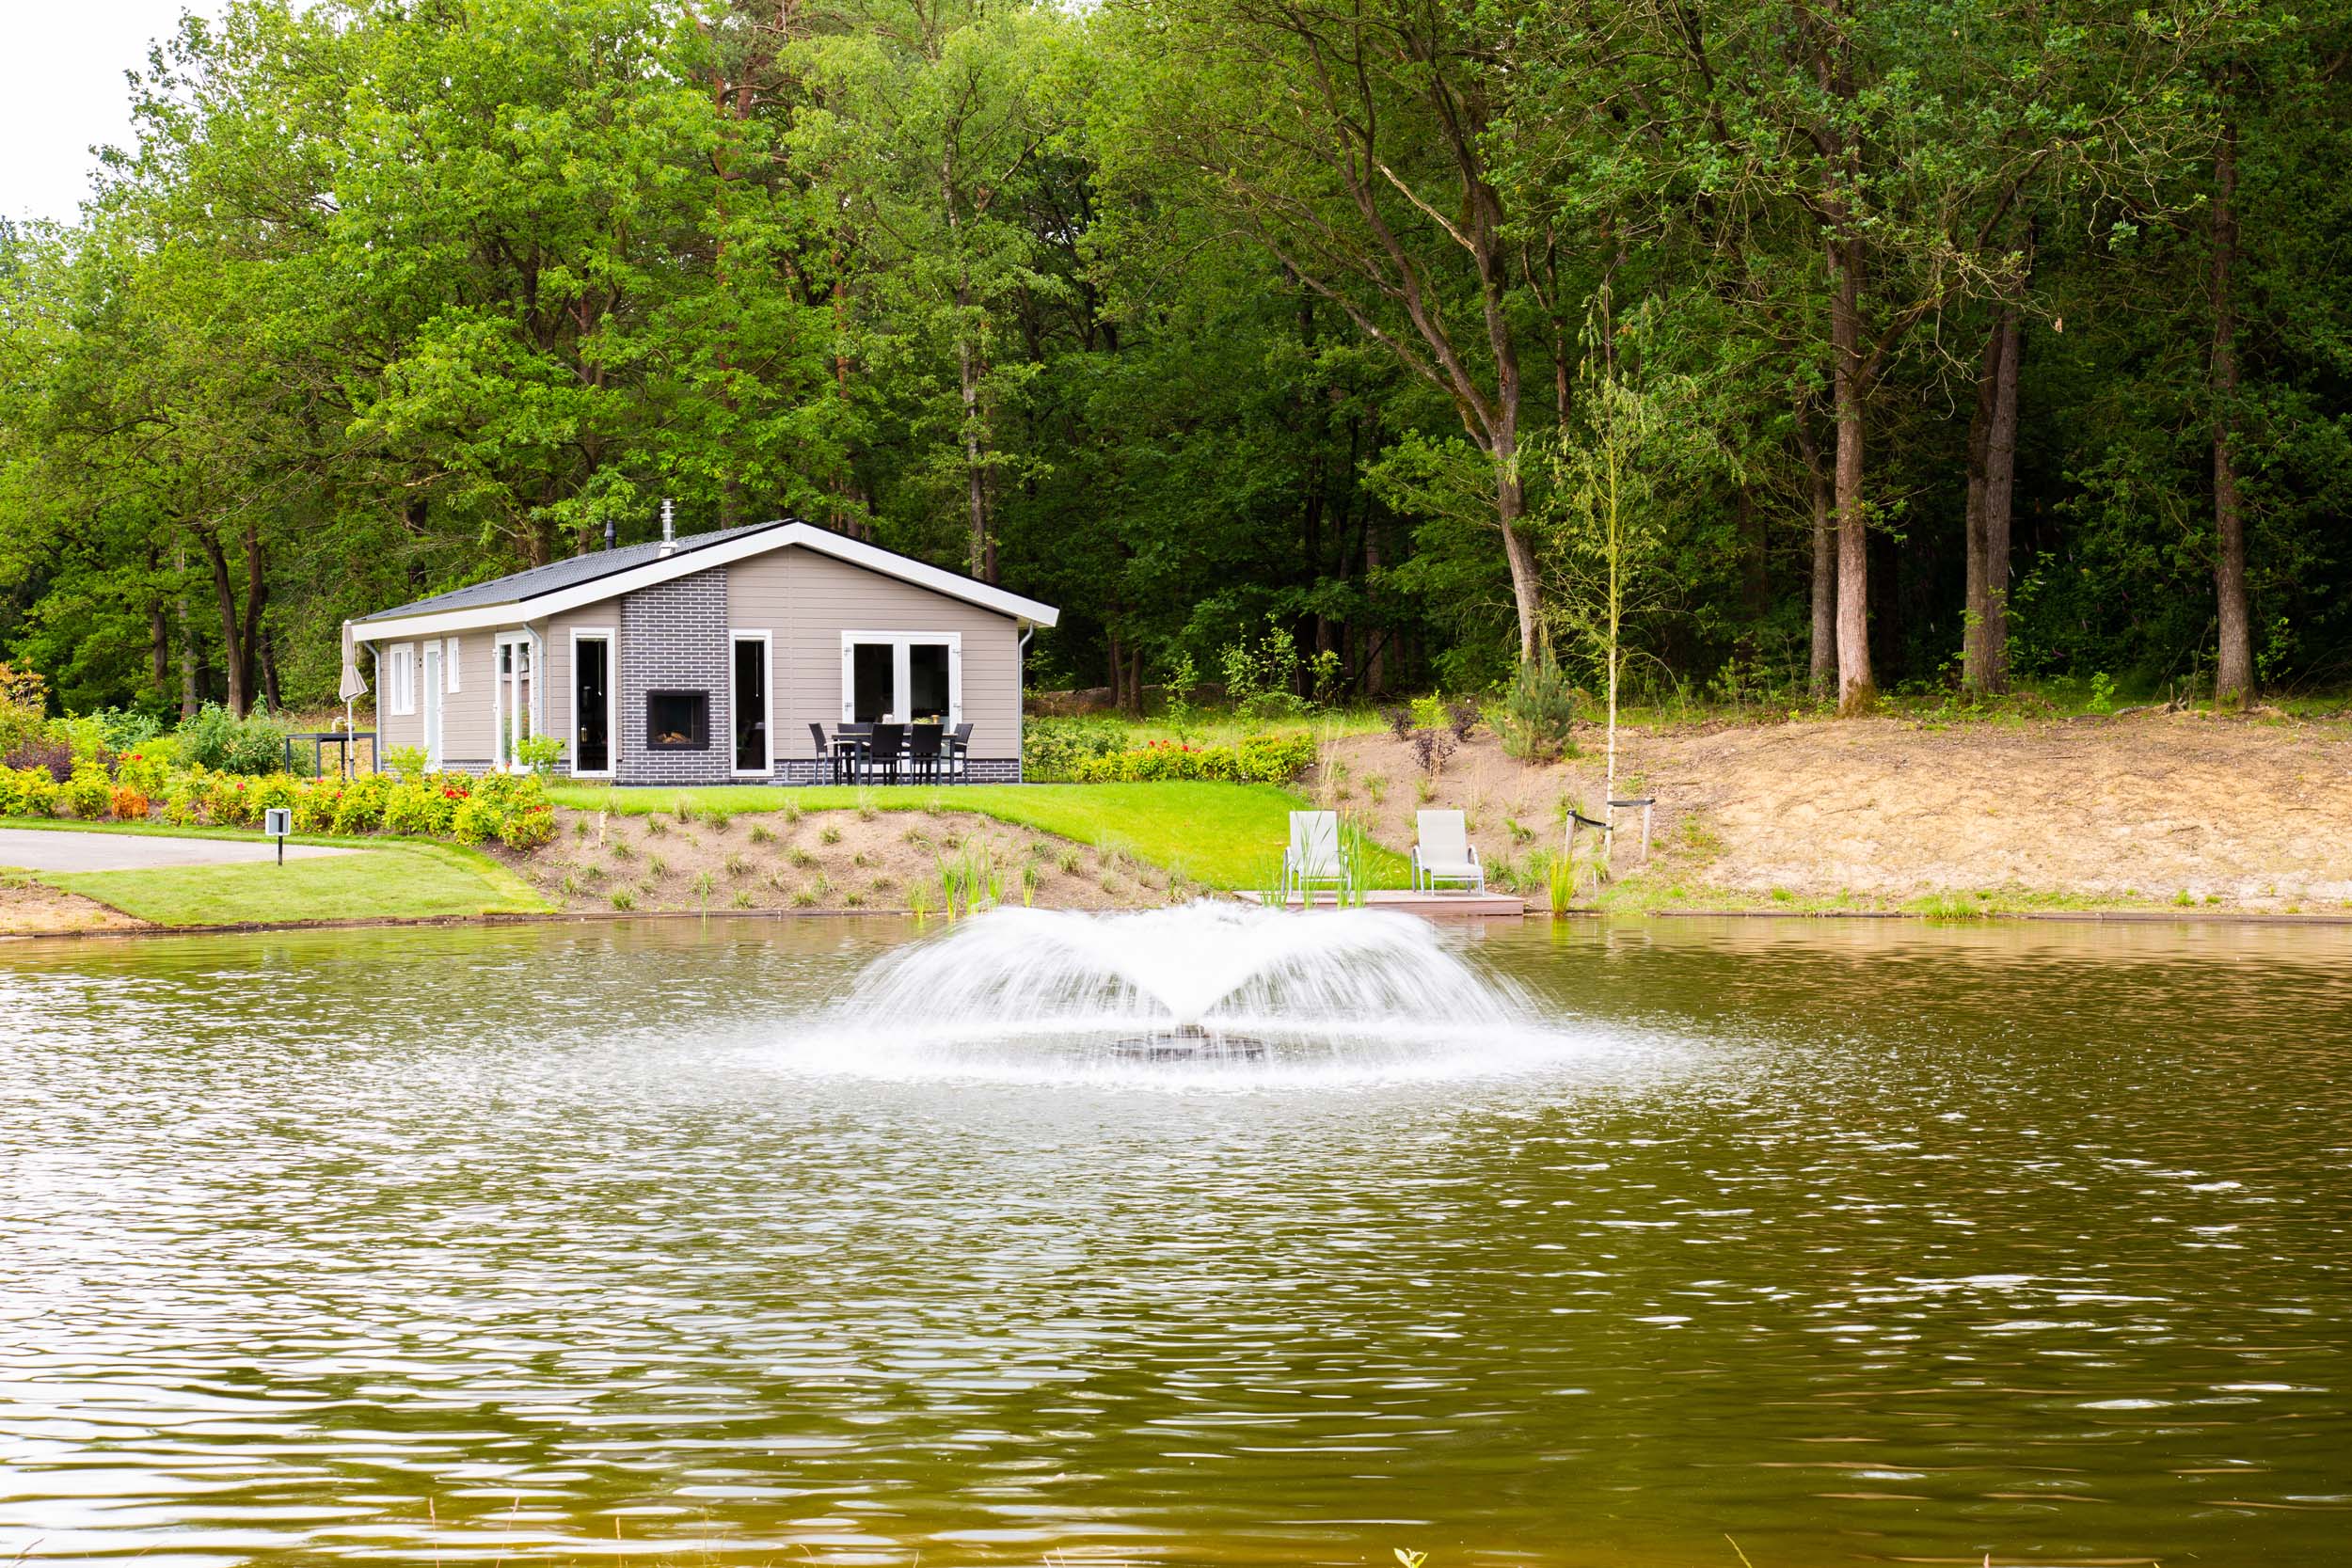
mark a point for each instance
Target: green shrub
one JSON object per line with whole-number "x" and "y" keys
{"x": 420, "y": 810}
{"x": 27, "y": 792}
{"x": 1054, "y": 751}
{"x": 475, "y": 819}
{"x": 360, "y": 808}
{"x": 1261, "y": 680}
{"x": 539, "y": 752}
{"x": 1258, "y": 759}
{"x": 217, "y": 740}
{"x": 409, "y": 763}
{"x": 1538, "y": 714}
{"x": 527, "y": 828}
{"x": 315, "y": 804}
{"x": 229, "y": 801}
{"x": 90, "y": 794}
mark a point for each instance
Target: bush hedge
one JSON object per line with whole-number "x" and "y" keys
{"x": 1256, "y": 759}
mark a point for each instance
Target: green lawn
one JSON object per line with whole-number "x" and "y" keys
{"x": 390, "y": 879}
{"x": 1223, "y": 834}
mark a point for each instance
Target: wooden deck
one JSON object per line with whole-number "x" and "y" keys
{"x": 1436, "y": 905}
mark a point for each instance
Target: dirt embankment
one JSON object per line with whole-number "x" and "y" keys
{"x": 2249, "y": 814}
{"x": 29, "y": 908}
{"x": 819, "y": 861}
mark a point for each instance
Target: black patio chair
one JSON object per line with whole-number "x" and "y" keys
{"x": 923, "y": 752}
{"x": 827, "y": 758}
{"x": 959, "y": 747}
{"x": 884, "y": 749}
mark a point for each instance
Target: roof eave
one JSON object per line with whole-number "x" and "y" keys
{"x": 507, "y": 612}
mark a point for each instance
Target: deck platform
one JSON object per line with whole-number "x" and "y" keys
{"x": 1438, "y": 906}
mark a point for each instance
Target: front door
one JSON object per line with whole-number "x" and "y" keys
{"x": 432, "y": 677}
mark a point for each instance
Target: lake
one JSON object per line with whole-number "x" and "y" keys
{"x": 1842, "y": 1242}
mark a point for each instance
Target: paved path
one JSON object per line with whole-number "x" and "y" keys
{"x": 48, "y": 849}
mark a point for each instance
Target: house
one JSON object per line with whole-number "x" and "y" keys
{"x": 704, "y": 659}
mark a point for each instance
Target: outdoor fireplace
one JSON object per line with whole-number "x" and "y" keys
{"x": 678, "y": 721}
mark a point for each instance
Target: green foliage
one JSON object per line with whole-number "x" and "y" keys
{"x": 1258, "y": 759}
{"x": 212, "y": 737}
{"x": 1536, "y": 715}
{"x": 27, "y": 792}
{"x": 539, "y": 754}
{"x": 1262, "y": 677}
{"x": 1057, "y": 749}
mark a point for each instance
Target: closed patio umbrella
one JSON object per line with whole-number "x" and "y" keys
{"x": 353, "y": 686}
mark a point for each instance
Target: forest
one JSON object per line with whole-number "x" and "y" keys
{"x": 1812, "y": 349}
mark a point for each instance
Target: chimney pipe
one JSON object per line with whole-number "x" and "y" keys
{"x": 669, "y": 533}
{"x": 609, "y": 531}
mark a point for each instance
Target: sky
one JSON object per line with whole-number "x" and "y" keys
{"x": 61, "y": 90}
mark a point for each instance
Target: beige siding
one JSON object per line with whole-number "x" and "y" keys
{"x": 808, "y": 600}
{"x": 556, "y": 633}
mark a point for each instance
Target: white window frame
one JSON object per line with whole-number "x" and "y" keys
{"x": 400, "y": 683}
{"x": 452, "y": 655}
{"x": 502, "y": 693}
{"x": 433, "y": 705}
{"x": 610, "y": 636}
{"x": 901, "y": 684}
{"x": 768, "y": 696}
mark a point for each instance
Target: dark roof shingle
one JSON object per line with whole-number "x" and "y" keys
{"x": 564, "y": 573}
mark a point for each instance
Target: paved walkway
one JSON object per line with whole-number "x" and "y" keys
{"x": 49, "y": 849}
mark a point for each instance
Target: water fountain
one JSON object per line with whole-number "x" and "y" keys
{"x": 1203, "y": 984}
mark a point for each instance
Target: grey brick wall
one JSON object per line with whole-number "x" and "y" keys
{"x": 803, "y": 770}
{"x": 674, "y": 638}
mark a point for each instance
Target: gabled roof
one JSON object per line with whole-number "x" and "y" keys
{"x": 561, "y": 585}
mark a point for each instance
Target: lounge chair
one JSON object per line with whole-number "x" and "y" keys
{"x": 1313, "y": 857}
{"x": 1445, "y": 853}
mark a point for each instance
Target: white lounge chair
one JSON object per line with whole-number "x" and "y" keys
{"x": 1445, "y": 853}
{"x": 1313, "y": 857}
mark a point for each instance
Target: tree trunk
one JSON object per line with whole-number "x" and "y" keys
{"x": 1822, "y": 672}
{"x": 159, "y": 646}
{"x": 1857, "y": 690}
{"x": 1376, "y": 662}
{"x": 256, "y": 600}
{"x": 270, "y": 698}
{"x": 191, "y": 689}
{"x": 2001, "y": 482}
{"x": 2234, "y": 668}
{"x": 225, "y": 602}
{"x": 983, "y": 549}
{"x": 1519, "y": 551}
{"x": 1976, "y": 602}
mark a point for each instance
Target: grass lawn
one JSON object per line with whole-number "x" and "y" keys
{"x": 389, "y": 879}
{"x": 1224, "y": 835}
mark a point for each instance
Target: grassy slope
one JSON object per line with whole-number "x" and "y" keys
{"x": 389, "y": 879}
{"x": 1224, "y": 835}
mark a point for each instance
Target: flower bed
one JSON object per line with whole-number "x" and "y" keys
{"x": 513, "y": 809}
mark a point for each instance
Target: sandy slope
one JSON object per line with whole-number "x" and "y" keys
{"x": 2257, "y": 814}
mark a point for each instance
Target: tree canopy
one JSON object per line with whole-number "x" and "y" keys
{"x": 2009, "y": 340}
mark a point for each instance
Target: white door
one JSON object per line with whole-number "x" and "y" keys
{"x": 433, "y": 706}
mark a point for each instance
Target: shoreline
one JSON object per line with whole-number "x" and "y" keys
{"x": 616, "y": 917}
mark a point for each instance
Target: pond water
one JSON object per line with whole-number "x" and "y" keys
{"x": 1848, "y": 1241}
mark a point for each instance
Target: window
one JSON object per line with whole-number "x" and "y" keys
{"x": 515, "y": 693}
{"x": 400, "y": 679}
{"x": 749, "y": 708}
{"x": 450, "y": 659}
{"x": 901, "y": 678}
{"x": 593, "y": 697}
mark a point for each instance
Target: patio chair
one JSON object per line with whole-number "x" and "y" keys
{"x": 959, "y": 751}
{"x": 827, "y": 755}
{"x": 1445, "y": 852}
{"x": 1313, "y": 857}
{"x": 923, "y": 751}
{"x": 884, "y": 749}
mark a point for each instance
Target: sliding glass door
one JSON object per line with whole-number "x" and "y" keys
{"x": 748, "y": 704}
{"x": 515, "y": 695}
{"x": 901, "y": 678}
{"x": 592, "y": 701}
